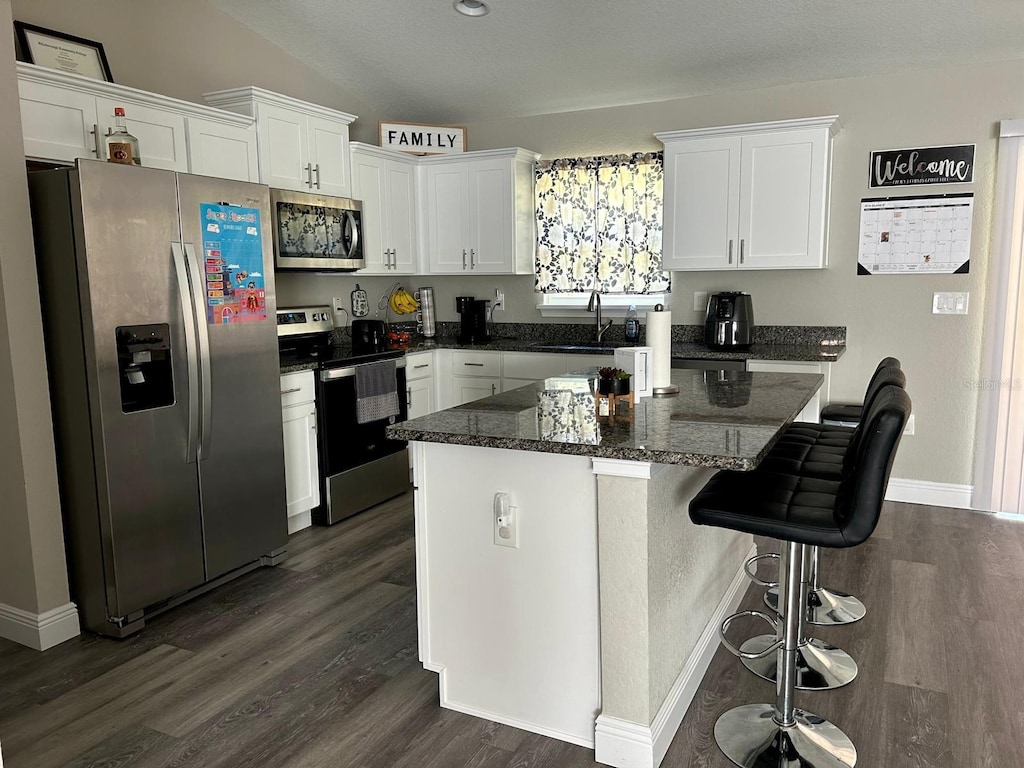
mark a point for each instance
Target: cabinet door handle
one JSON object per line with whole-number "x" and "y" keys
{"x": 309, "y": 175}
{"x": 290, "y": 391}
{"x": 312, "y": 425}
{"x": 730, "y": 251}
{"x": 463, "y": 258}
{"x": 408, "y": 398}
{"x": 317, "y": 169}
{"x": 417, "y": 367}
{"x": 493, "y": 388}
{"x": 475, "y": 365}
{"x": 96, "y": 141}
{"x": 472, "y": 259}
{"x": 741, "y": 250}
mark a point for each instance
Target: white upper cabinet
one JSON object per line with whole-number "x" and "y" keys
{"x": 385, "y": 183}
{"x": 302, "y": 146}
{"x": 64, "y": 117}
{"x": 478, "y": 211}
{"x": 748, "y": 196}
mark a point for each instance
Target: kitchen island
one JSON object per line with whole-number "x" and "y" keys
{"x": 589, "y": 611}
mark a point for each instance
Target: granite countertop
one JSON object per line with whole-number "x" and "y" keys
{"x": 826, "y": 353}
{"x": 724, "y": 420}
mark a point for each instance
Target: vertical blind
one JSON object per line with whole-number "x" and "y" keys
{"x": 599, "y": 224}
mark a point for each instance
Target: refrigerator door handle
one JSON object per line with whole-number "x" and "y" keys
{"x": 203, "y": 336}
{"x": 188, "y": 314}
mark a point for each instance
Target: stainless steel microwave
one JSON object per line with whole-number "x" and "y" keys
{"x": 316, "y": 232}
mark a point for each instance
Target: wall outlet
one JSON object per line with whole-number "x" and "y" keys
{"x": 700, "y": 301}
{"x": 340, "y": 306}
{"x": 498, "y": 302}
{"x": 909, "y": 429}
{"x": 950, "y": 303}
{"x": 506, "y": 521}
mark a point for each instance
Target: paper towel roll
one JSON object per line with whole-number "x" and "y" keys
{"x": 659, "y": 338}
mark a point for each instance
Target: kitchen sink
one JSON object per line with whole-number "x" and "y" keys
{"x": 584, "y": 346}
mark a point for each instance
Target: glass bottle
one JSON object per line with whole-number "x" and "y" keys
{"x": 122, "y": 147}
{"x": 632, "y": 325}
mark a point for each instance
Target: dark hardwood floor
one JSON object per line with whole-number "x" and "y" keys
{"x": 313, "y": 663}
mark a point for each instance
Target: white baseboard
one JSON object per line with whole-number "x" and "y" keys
{"x": 40, "y": 631}
{"x": 625, "y": 744}
{"x": 926, "y": 492}
{"x": 522, "y": 725}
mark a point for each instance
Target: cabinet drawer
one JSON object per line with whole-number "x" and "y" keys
{"x": 532, "y": 365}
{"x": 297, "y": 388}
{"x": 419, "y": 365}
{"x": 466, "y": 363}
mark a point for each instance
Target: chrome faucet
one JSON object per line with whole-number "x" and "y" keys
{"x": 595, "y": 306}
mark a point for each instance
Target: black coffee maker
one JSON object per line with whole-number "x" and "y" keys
{"x": 475, "y": 327}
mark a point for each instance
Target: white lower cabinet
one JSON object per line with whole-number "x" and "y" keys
{"x": 301, "y": 460}
{"x": 466, "y": 389}
{"x": 812, "y": 411}
{"x": 475, "y": 375}
{"x": 420, "y": 394}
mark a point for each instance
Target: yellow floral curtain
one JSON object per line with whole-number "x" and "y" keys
{"x": 599, "y": 224}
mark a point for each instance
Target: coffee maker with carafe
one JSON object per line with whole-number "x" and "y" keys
{"x": 475, "y": 326}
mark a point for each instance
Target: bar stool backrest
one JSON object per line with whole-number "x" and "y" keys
{"x": 866, "y": 467}
{"x": 888, "y": 376}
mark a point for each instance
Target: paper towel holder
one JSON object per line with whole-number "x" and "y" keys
{"x": 670, "y": 390}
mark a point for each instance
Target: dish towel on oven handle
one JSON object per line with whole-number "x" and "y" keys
{"x": 376, "y": 391}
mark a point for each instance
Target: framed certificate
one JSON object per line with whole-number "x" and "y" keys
{"x": 66, "y": 53}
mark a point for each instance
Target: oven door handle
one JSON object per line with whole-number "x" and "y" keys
{"x": 332, "y": 374}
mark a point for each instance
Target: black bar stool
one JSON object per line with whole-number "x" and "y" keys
{"x": 819, "y": 449}
{"x": 801, "y": 512}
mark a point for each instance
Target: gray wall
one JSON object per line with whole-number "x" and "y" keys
{"x": 884, "y": 314}
{"x": 33, "y": 574}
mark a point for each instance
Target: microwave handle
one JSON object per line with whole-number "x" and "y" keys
{"x": 352, "y": 227}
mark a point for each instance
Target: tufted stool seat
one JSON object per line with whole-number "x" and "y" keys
{"x": 801, "y": 511}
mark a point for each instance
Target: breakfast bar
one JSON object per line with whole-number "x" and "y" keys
{"x": 561, "y": 586}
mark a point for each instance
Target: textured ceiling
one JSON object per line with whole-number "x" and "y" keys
{"x": 420, "y": 60}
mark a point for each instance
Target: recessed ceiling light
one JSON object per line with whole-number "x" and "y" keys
{"x": 471, "y": 7}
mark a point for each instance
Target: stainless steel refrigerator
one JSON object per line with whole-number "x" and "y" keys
{"x": 159, "y": 316}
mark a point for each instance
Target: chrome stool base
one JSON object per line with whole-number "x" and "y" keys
{"x": 824, "y": 606}
{"x": 750, "y": 737}
{"x": 819, "y": 665}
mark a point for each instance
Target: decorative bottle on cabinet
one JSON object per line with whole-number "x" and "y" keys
{"x": 122, "y": 147}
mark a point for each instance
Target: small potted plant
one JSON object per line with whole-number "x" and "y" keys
{"x": 613, "y": 381}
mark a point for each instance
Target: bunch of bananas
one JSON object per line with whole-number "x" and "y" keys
{"x": 402, "y": 302}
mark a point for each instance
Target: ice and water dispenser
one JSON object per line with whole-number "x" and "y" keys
{"x": 144, "y": 367}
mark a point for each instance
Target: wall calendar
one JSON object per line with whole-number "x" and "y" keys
{"x": 929, "y": 234}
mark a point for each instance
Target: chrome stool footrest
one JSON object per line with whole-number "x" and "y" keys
{"x": 761, "y": 652}
{"x": 751, "y": 568}
{"x": 750, "y": 737}
{"x": 825, "y": 607}
{"x": 820, "y": 666}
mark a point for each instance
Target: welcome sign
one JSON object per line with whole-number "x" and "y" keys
{"x": 923, "y": 165}
{"x": 423, "y": 139}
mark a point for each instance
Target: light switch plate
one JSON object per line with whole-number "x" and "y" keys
{"x": 950, "y": 303}
{"x": 700, "y": 301}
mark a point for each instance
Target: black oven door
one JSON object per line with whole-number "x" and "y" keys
{"x": 344, "y": 443}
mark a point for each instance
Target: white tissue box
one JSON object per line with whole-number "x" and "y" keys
{"x": 639, "y": 362}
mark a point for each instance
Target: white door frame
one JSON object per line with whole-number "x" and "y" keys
{"x": 999, "y": 460}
